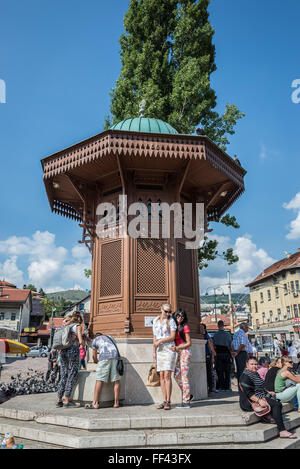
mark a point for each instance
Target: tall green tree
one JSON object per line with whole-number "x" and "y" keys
{"x": 30, "y": 287}
{"x": 167, "y": 57}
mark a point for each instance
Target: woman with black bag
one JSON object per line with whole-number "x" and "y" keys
{"x": 253, "y": 393}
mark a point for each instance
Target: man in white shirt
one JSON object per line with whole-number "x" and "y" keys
{"x": 276, "y": 348}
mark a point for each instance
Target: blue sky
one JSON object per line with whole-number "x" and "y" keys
{"x": 59, "y": 60}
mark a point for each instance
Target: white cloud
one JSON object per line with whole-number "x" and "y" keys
{"x": 77, "y": 287}
{"x": 10, "y": 272}
{"x": 80, "y": 252}
{"x": 294, "y": 226}
{"x": 294, "y": 204}
{"x": 54, "y": 289}
{"x": 44, "y": 263}
{"x": 263, "y": 152}
{"x": 252, "y": 261}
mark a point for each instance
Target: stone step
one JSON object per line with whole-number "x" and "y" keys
{"x": 275, "y": 443}
{"x": 202, "y": 414}
{"x": 151, "y": 438}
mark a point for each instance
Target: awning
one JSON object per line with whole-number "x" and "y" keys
{"x": 269, "y": 331}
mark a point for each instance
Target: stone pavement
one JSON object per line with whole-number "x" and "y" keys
{"x": 216, "y": 422}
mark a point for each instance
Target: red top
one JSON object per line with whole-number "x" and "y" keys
{"x": 178, "y": 339}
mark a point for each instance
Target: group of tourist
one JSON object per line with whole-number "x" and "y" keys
{"x": 172, "y": 353}
{"x": 269, "y": 389}
{"x": 72, "y": 358}
{"x": 261, "y": 383}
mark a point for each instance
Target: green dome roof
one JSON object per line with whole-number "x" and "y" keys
{"x": 145, "y": 124}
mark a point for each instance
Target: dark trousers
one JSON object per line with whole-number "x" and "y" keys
{"x": 82, "y": 363}
{"x": 276, "y": 412}
{"x": 52, "y": 372}
{"x": 240, "y": 361}
{"x": 69, "y": 371}
{"x": 209, "y": 373}
{"x": 276, "y": 409}
{"x": 223, "y": 369}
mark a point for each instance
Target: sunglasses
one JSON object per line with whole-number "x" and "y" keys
{"x": 168, "y": 312}
{"x": 180, "y": 316}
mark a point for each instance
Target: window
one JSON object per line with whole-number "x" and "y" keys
{"x": 261, "y": 297}
{"x": 271, "y": 316}
{"x": 269, "y": 295}
{"x": 295, "y": 311}
{"x": 292, "y": 286}
{"x": 297, "y": 285}
{"x": 13, "y": 316}
{"x": 264, "y": 318}
{"x": 255, "y": 305}
{"x": 288, "y": 312}
{"x": 279, "y": 314}
{"x": 1, "y": 316}
{"x": 285, "y": 289}
{"x": 277, "y": 292}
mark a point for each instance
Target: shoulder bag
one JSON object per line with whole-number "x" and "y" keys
{"x": 120, "y": 364}
{"x": 257, "y": 409}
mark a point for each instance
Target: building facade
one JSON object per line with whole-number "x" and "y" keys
{"x": 15, "y": 308}
{"x": 275, "y": 295}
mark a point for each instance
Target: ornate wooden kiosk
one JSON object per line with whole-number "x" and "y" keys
{"x": 149, "y": 162}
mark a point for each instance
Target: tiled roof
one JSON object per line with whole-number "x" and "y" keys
{"x": 13, "y": 295}
{"x": 211, "y": 324}
{"x": 289, "y": 262}
{"x": 3, "y": 283}
{"x": 44, "y": 329}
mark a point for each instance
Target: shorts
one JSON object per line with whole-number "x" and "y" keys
{"x": 166, "y": 360}
{"x": 107, "y": 370}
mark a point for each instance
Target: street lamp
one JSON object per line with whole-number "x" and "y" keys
{"x": 214, "y": 289}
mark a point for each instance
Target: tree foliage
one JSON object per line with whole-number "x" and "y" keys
{"x": 30, "y": 287}
{"x": 167, "y": 58}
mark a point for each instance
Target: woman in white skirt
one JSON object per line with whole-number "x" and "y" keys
{"x": 164, "y": 331}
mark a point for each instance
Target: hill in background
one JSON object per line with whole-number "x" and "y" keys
{"x": 237, "y": 298}
{"x": 69, "y": 295}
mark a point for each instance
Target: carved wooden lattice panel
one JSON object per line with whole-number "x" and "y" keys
{"x": 111, "y": 269}
{"x": 151, "y": 266}
{"x": 185, "y": 272}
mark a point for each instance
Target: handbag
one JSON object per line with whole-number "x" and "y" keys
{"x": 257, "y": 409}
{"x": 120, "y": 364}
{"x": 153, "y": 376}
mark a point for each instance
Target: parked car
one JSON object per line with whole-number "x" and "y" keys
{"x": 38, "y": 352}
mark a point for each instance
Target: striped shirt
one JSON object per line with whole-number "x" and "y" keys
{"x": 259, "y": 383}
{"x": 240, "y": 338}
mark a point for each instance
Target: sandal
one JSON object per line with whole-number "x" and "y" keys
{"x": 167, "y": 405}
{"x": 69, "y": 404}
{"x": 91, "y": 406}
{"x": 59, "y": 404}
{"x": 291, "y": 436}
{"x": 161, "y": 406}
